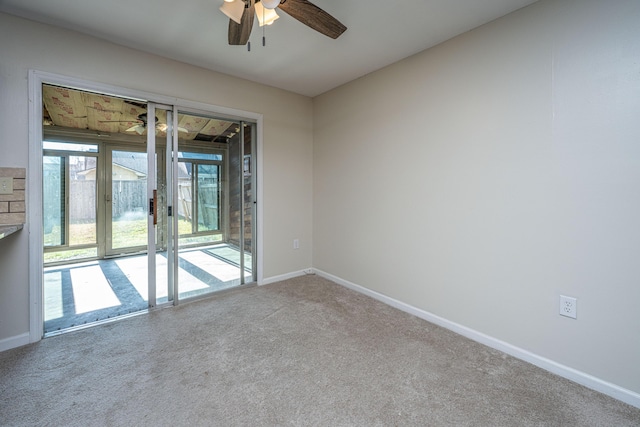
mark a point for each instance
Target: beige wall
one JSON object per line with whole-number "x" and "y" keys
{"x": 481, "y": 179}
{"x": 287, "y": 135}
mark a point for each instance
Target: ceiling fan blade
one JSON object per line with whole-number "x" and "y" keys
{"x": 314, "y": 17}
{"x": 239, "y": 33}
{"x": 132, "y": 128}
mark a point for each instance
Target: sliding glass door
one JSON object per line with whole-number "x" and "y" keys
{"x": 143, "y": 204}
{"x": 106, "y": 232}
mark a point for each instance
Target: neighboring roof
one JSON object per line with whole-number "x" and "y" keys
{"x": 137, "y": 173}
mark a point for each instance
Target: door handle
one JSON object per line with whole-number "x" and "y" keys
{"x": 155, "y": 207}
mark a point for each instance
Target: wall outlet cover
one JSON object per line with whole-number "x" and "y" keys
{"x": 568, "y": 306}
{"x": 6, "y": 185}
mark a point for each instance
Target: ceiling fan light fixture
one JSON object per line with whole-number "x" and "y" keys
{"x": 270, "y": 4}
{"x": 265, "y": 16}
{"x": 233, "y": 9}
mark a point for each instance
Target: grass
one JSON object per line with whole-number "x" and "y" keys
{"x": 79, "y": 234}
{"x": 70, "y": 255}
{"x": 125, "y": 233}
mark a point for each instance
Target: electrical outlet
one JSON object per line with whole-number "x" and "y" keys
{"x": 296, "y": 244}
{"x": 568, "y": 306}
{"x": 6, "y": 185}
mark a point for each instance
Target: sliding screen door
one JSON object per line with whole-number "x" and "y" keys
{"x": 210, "y": 191}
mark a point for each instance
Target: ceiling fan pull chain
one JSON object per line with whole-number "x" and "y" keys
{"x": 264, "y": 39}
{"x": 248, "y": 46}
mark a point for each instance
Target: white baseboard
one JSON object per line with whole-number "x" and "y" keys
{"x": 13, "y": 342}
{"x": 291, "y": 275}
{"x": 594, "y": 383}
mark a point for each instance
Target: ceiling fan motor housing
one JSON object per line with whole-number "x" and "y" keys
{"x": 241, "y": 20}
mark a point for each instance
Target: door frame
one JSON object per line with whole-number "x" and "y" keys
{"x": 34, "y": 188}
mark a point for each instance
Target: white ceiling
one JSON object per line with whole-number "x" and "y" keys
{"x": 296, "y": 57}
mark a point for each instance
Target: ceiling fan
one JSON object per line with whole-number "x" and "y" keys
{"x": 140, "y": 127}
{"x": 242, "y": 12}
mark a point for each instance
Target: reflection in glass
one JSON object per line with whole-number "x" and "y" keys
{"x": 52, "y": 200}
{"x": 128, "y": 199}
{"x": 70, "y": 146}
{"x": 82, "y": 200}
{"x": 208, "y": 197}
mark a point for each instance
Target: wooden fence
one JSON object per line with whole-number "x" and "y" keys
{"x": 126, "y": 196}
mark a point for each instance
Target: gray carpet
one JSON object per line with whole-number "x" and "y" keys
{"x": 300, "y": 352}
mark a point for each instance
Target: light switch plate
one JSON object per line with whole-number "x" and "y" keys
{"x": 6, "y": 185}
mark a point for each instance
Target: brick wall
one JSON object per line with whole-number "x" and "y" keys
{"x": 13, "y": 206}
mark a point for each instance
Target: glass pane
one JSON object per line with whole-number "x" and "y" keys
{"x": 70, "y": 255}
{"x": 68, "y": 146}
{"x": 199, "y": 156}
{"x": 185, "y": 199}
{"x": 236, "y": 174}
{"x": 53, "y": 200}
{"x": 248, "y": 209}
{"x": 208, "y": 198}
{"x": 82, "y": 200}
{"x": 207, "y": 261}
{"x": 82, "y": 283}
{"x": 202, "y": 239}
{"x": 164, "y": 230}
{"x": 128, "y": 199}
